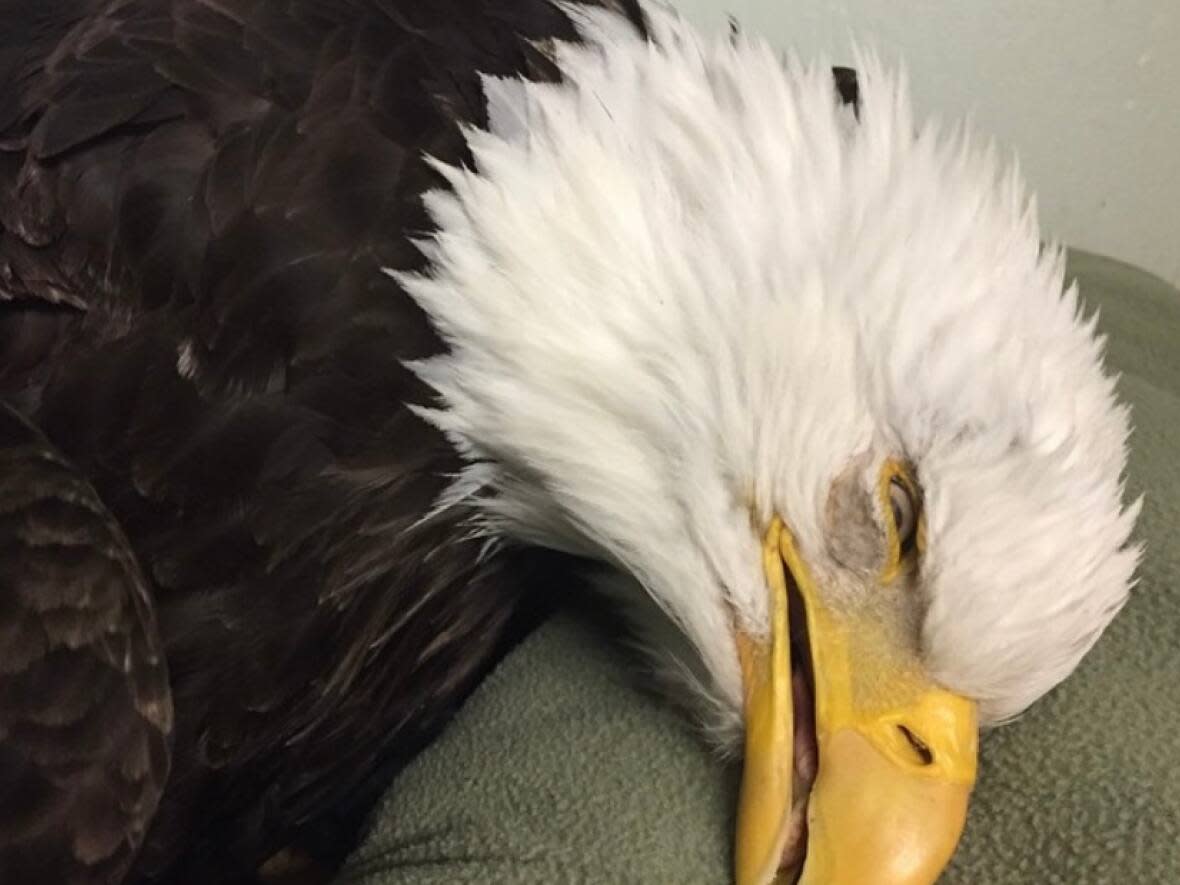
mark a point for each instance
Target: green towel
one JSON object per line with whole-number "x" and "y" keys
{"x": 560, "y": 769}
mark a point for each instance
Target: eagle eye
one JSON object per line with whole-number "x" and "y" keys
{"x": 905, "y": 513}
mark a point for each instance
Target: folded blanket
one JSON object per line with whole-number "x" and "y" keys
{"x": 562, "y": 769}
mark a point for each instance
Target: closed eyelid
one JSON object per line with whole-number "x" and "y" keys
{"x": 897, "y": 471}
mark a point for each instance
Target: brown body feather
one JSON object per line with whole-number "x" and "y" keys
{"x": 85, "y": 710}
{"x": 196, "y": 201}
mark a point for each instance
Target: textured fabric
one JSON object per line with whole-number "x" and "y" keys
{"x": 560, "y": 769}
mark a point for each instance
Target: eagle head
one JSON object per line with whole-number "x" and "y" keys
{"x": 805, "y": 377}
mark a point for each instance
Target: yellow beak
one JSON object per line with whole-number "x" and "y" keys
{"x": 897, "y": 753}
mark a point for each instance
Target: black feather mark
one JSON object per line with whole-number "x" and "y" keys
{"x": 848, "y": 88}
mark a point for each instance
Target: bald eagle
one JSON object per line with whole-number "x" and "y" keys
{"x": 325, "y": 327}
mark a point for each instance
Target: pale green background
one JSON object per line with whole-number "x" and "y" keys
{"x": 1087, "y": 92}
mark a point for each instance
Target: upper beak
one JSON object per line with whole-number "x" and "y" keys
{"x": 897, "y": 753}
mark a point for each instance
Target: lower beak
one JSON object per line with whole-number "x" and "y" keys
{"x": 897, "y": 753}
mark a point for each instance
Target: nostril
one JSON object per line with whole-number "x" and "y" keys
{"x": 924, "y": 752}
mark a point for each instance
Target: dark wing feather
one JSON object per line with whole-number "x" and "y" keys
{"x": 85, "y": 711}
{"x": 197, "y": 198}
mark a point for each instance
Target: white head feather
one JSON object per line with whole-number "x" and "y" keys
{"x": 685, "y": 289}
